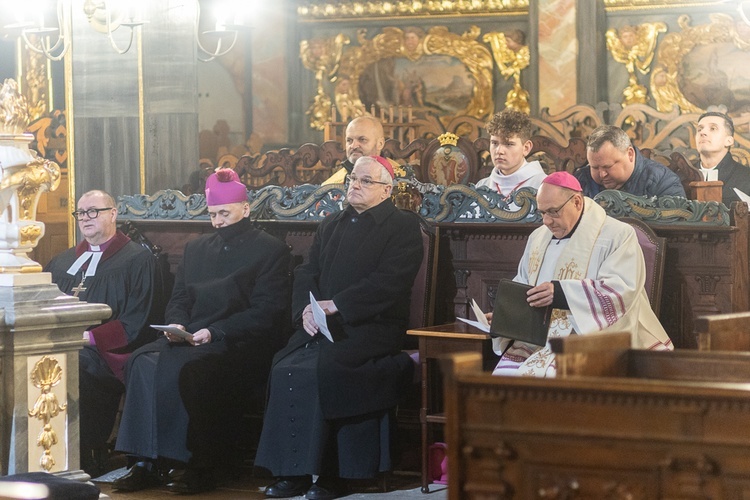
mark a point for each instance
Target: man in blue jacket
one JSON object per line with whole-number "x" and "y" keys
{"x": 615, "y": 164}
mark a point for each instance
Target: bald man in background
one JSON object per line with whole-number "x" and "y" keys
{"x": 364, "y": 137}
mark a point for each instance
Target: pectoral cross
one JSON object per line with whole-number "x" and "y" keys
{"x": 80, "y": 288}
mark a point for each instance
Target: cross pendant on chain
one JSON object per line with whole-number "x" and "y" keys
{"x": 80, "y": 288}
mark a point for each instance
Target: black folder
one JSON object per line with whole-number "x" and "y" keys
{"x": 514, "y": 318}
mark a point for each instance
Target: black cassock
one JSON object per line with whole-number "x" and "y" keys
{"x": 124, "y": 280}
{"x": 329, "y": 402}
{"x": 182, "y": 401}
{"x": 734, "y": 175}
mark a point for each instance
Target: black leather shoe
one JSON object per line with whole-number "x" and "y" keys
{"x": 327, "y": 489}
{"x": 139, "y": 477}
{"x": 290, "y": 486}
{"x": 174, "y": 475}
{"x": 193, "y": 481}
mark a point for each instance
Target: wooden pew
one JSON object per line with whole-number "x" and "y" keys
{"x": 643, "y": 425}
{"x": 723, "y": 332}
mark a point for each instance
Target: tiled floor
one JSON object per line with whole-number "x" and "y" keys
{"x": 402, "y": 485}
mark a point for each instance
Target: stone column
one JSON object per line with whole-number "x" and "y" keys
{"x": 40, "y": 336}
{"x": 557, "y": 53}
{"x": 569, "y": 35}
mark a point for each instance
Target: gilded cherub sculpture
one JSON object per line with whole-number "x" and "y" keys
{"x": 511, "y": 56}
{"x": 347, "y": 104}
{"x": 635, "y": 46}
{"x": 322, "y": 56}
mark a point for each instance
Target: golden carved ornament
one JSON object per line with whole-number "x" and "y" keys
{"x": 30, "y": 234}
{"x": 392, "y": 42}
{"x": 37, "y": 176}
{"x": 675, "y": 46}
{"x": 14, "y": 113}
{"x": 448, "y": 139}
{"x": 322, "y": 56}
{"x": 35, "y": 87}
{"x": 511, "y": 56}
{"x": 333, "y": 10}
{"x": 615, "y": 5}
{"x": 46, "y": 374}
{"x": 634, "y": 46}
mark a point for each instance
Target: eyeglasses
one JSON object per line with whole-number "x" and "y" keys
{"x": 91, "y": 213}
{"x": 365, "y": 182}
{"x": 554, "y": 212}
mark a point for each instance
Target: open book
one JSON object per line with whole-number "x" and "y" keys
{"x": 481, "y": 321}
{"x": 513, "y": 317}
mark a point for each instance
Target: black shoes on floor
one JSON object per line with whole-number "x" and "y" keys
{"x": 188, "y": 481}
{"x": 286, "y": 487}
{"x": 191, "y": 481}
{"x": 140, "y": 477}
{"x": 292, "y": 486}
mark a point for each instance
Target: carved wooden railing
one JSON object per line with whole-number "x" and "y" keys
{"x": 457, "y": 203}
{"x": 559, "y": 144}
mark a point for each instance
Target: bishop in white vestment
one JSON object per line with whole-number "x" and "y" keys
{"x": 590, "y": 268}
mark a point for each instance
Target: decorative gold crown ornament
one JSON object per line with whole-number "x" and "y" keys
{"x": 448, "y": 139}
{"x": 24, "y": 176}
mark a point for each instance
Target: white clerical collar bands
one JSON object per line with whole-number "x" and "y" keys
{"x": 710, "y": 174}
{"x": 94, "y": 254}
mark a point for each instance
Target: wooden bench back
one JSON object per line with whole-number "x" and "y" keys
{"x": 609, "y": 355}
{"x": 723, "y": 332}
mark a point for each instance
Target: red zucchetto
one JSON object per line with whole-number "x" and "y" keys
{"x": 386, "y": 164}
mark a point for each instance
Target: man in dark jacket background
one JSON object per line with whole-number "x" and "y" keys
{"x": 329, "y": 412}
{"x": 615, "y": 164}
{"x": 232, "y": 293}
{"x": 714, "y": 137}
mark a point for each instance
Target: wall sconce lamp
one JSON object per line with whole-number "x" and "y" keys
{"x": 106, "y": 19}
{"x": 102, "y": 15}
{"x": 224, "y": 33}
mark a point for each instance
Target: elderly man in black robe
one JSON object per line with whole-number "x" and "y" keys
{"x": 231, "y": 293}
{"x": 106, "y": 268}
{"x": 330, "y": 402}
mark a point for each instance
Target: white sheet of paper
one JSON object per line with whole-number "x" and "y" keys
{"x": 319, "y": 315}
{"x": 479, "y": 314}
{"x": 481, "y": 322}
{"x": 476, "y": 324}
{"x": 743, "y": 196}
{"x": 173, "y": 330}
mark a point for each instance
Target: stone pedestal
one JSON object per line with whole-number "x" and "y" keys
{"x": 41, "y": 332}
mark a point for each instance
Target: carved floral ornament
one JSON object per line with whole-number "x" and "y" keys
{"x": 340, "y": 9}
{"x": 318, "y": 10}
{"x": 45, "y": 375}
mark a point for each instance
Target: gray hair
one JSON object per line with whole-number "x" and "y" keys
{"x": 608, "y": 133}
{"x": 385, "y": 175}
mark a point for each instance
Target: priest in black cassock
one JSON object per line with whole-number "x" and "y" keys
{"x": 106, "y": 268}
{"x": 331, "y": 401}
{"x": 232, "y": 294}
